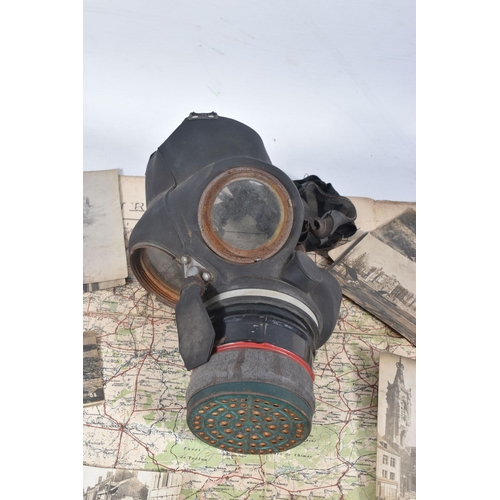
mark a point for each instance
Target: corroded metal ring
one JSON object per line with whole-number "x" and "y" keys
{"x": 222, "y": 247}
{"x": 161, "y": 285}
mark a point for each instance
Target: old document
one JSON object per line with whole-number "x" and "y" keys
{"x": 370, "y": 215}
{"x": 104, "y": 257}
{"x": 378, "y": 273}
{"x": 133, "y": 201}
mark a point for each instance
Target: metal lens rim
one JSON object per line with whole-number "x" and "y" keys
{"x": 150, "y": 280}
{"x": 222, "y": 248}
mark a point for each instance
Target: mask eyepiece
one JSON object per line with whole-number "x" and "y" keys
{"x": 245, "y": 215}
{"x": 159, "y": 272}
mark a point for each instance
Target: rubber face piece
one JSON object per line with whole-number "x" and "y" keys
{"x": 194, "y": 328}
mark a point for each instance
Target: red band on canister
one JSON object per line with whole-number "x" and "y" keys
{"x": 266, "y": 347}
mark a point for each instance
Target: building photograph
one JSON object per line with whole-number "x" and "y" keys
{"x": 396, "y": 436}
{"x": 114, "y": 484}
{"x": 123, "y": 484}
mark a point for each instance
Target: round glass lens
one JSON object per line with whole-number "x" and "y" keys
{"x": 246, "y": 214}
{"x": 165, "y": 267}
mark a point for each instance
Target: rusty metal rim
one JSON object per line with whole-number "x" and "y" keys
{"x": 150, "y": 280}
{"x": 222, "y": 248}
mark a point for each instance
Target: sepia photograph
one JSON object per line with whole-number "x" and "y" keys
{"x": 104, "y": 256}
{"x": 400, "y": 234}
{"x": 93, "y": 391}
{"x": 396, "y": 429}
{"x": 379, "y": 273}
{"x": 123, "y": 484}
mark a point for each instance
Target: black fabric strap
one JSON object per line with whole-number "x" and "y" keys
{"x": 325, "y": 208}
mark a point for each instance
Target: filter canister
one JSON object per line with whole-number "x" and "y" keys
{"x": 250, "y": 401}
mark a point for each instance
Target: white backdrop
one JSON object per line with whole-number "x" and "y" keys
{"x": 328, "y": 85}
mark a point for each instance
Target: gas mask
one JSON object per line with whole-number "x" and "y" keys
{"x": 218, "y": 242}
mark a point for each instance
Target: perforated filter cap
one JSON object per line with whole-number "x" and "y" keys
{"x": 266, "y": 408}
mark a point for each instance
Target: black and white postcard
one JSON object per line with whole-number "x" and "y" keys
{"x": 396, "y": 428}
{"x": 104, "y": 255}
{"x": 93, "y": 392}
{"x": 378, "y": 273}
{"x": 110, "y": 484}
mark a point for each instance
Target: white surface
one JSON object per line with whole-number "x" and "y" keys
{"x": 328, "y": 85}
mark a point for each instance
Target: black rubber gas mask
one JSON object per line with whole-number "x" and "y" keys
{"x": 218, "y": 242}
